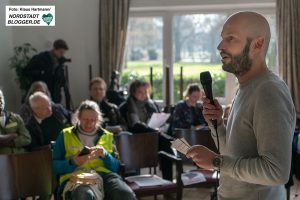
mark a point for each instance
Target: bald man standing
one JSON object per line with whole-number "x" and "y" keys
{"x": 256, "y": 143}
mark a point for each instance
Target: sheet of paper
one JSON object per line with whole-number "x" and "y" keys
{"x": 184, "y": 141}
{"x": 180, "y": 145}
{"x": 158, "y": 119}
{"x": 192, "y": 177}
{"x": 147, "y": 180}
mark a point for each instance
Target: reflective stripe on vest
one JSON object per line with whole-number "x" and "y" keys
{"x": 73, "y": 146}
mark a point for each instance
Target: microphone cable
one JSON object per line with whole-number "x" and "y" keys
{"x": 215, "y": 194}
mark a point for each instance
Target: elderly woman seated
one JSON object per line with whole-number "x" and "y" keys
{"x": 137, "y": 110}
{"x": 101, "y": 160}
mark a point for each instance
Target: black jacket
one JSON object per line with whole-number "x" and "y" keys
{"x": 127, "y": 110}
{"x": 36, "y": 132}
{"x": 45, "y": 67}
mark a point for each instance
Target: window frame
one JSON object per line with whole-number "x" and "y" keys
{"x": 168, "y": 12}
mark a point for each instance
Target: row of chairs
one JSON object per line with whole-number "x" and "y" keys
{"x": 26, "y": 174}
{"x": 140, "y": 151}
{"x": 30, "y": 173}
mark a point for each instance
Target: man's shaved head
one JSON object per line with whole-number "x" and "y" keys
{"x": 245, "y": 41}
{"x": 251, "y": 23}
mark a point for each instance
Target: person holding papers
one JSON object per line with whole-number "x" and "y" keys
{"x": 138, "y": 108}
{"x": 137, "y": 111}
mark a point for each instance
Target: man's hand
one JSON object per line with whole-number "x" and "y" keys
{"x": 211, "y": 112}
{"x": 8, "y": 140}
{"x": 202, "y": 156}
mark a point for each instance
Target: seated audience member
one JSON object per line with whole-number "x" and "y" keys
{"x": 188, "y": 113}
{"x": 13, "y": 134}
{"x": 113, "y": 120}
{"x": 137, "y": 109}
{"x": 38, "y": 86}
{"x": 47, "y": 121}
{"x": 102, "y": 158}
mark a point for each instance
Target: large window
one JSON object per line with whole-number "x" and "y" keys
{"x": 143, "y": 51}
{"x": 195, "y": 38}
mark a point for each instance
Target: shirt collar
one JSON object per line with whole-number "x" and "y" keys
{"x": 2, "y": 120}
{"x": 38, "y": 119}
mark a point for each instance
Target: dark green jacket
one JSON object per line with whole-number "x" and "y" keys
{"x": 15, "y": 124}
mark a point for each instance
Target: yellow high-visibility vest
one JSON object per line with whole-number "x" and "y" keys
{"x": 73, "y": 146}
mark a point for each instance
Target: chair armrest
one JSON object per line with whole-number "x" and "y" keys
{"x": 178, "y": 162}
{"x": 122, "y": 170}
{"x": 169, "y": 156}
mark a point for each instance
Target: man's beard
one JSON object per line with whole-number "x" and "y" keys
{"x": 2, "y": 107}
{"x": 240, "y": 63}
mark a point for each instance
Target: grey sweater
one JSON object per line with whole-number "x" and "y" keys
{"x": 257, "y": 141}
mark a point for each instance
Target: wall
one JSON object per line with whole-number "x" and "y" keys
{"x": 7, "y": 83}
{"x": 77, "y": 23}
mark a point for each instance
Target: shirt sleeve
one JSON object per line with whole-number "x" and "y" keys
{"x": 60, "y": 164}
{"x": 273, "y": 125}
{"x": 111, "y": 160}
{"x": 24, "y": 137}
{"x": 221, "y": 133}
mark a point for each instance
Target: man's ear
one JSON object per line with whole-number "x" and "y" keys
{"x": 258, "y": 44}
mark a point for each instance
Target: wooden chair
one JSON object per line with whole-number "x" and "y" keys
{"x": 26, "y": 174}
{"x": 141, "y": 151}
{"x": 198, "y": 137}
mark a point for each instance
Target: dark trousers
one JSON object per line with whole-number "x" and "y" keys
{"x": 166, "y": 165}
{"x": 115, "y": 188}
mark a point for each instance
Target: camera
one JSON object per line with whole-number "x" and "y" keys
{"x": 115, "y": 74}
{"x": 62, "y": 60}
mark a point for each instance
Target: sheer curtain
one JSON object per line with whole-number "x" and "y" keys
{"x": 113, "y": 20}
{"x": 288, "y": 30}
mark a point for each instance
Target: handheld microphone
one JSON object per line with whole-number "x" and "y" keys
{"x": 206, "y": 82}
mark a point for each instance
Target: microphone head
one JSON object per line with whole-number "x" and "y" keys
{"x": 206, "y": 82}
{"x": 205, "y": 78}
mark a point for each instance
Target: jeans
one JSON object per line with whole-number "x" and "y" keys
{"x": 82, "y": 192}
{"x": 115, "y": 188}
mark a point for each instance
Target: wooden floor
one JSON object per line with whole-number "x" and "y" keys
{"x": 204, "y": 194}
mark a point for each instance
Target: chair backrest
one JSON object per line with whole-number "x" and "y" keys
{"x": 138, "y": 150}
{"x": 197, "y": 137}
{"x": 26, "y": 174}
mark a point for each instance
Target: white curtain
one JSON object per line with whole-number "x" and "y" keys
{"x": 288, "y": 32}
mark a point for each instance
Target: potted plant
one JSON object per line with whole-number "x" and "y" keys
{"x": 21, "y": 57}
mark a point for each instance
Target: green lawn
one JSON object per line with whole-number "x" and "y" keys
{"x": 142, "y": 68}
{"x": 191, "y": 71}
